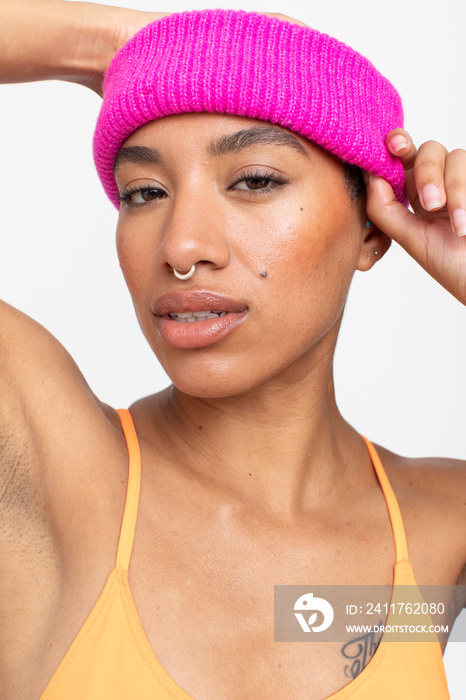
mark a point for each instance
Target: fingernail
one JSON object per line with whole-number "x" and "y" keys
{"x": 398, "y": 142}
{"x": 432, "y": 197}
{"x": 459, "y": 222}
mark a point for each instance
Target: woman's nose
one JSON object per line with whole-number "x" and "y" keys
{"x": 195, "y": 232}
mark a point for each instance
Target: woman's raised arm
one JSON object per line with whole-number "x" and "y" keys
{"x": 58, "y": 40}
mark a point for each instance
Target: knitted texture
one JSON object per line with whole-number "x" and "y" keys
{"x": 251, "y": 65}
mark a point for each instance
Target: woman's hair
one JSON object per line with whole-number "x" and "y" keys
{"x": 353, "y": 181}
{"x": 256, "y": 66}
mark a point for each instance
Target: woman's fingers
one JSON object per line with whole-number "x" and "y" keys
{"x": 400, "y": 144}
{"x": 285, "y": 18}
{"x": 429, "y": 175}
{"x": 393, "y": 218}
{"x": 424, "y": 170}
{"x": 435, "y": 179}
{"x": 428, "y": 238}
{"x": 455, "y": 185}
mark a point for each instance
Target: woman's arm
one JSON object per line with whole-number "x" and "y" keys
{"x": 58, "y": 40}
{"x": 42, "y": 40}
{"x": 47, "y": 40}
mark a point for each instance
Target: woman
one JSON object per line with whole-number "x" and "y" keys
{"x": 247, "y": 453}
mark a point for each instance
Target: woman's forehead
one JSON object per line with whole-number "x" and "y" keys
{"x": 220, "y": 134}
{"x": 203, "y": 123}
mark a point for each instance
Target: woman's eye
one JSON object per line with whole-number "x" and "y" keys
{"x": 142, "y": 195}
{"x": 249, "y": 182}
{"x": 254, "y": 183}
{"x": 258, "y": 182}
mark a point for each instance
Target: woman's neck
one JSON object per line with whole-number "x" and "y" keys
{"x": 281, "y": 447}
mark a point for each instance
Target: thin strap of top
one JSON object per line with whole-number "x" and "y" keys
{"x": 399, "y": 535}
{"x": 130, "y": 513}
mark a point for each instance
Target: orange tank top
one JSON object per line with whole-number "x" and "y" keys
{"x": 111, "y": 656}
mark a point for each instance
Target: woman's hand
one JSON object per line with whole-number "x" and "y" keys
{"x": 435, "y": 235}
{"x": 59, "y": 40}
{"x": 118, "y": 26}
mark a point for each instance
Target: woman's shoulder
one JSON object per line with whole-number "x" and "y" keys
{"x": 430, "y": 477}
{"x": 431, "y": 492}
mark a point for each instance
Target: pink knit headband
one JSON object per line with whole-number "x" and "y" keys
{"x": 250, "y": 65}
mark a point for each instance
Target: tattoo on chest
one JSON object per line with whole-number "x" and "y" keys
{"x": 359, "y": 652}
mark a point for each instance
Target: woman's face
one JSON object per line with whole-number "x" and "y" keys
{"x": 266, "y": 217}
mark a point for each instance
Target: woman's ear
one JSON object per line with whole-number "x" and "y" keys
{"x": 373, "y": 248}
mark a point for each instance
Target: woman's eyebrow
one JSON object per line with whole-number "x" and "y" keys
{"x": 232, "y": 143}
{"x": 250, "y": 137}
{"x": 142, "y": 155}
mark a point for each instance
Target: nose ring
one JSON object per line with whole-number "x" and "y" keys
{"x": 185, "y": 276}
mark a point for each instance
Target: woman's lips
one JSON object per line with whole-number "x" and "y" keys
{"x": 204, "y": 331}
{"x": 195, "y": 300}
{"x": 198, "y": 334}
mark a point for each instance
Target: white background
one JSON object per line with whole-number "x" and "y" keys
{"x": 400, "y": 364}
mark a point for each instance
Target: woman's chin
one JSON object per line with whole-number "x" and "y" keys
{"x": 204, "y": 388}
{"x": 217, "y": 380}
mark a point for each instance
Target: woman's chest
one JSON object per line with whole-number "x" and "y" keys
{"x": 223, "y": 645}
{"x": 203, "y": 585}
{"x": 202, "y": 582}
{"x": 206, "y": 602}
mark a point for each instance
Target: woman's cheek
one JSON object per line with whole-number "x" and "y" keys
{"x": 318, "y": 273}
{"x": 135, "y": 262}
